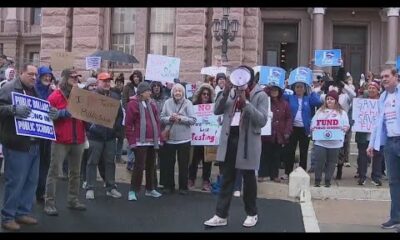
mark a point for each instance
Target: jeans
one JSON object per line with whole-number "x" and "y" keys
{"x": 327, "y": 159}
{"x": 120, "y": 144}
{"x": 198, "y": 155}
{"x": 45, "y": 150}
{"x": 238, "y": 181}
{"x": 106, "y": 151}
{"x": 73, "y": 154}
{"x": 362, "y": 162}
{"x": 313, "y": 160}
{"x": 21, "y": 172}
{"x": 131, "y": 155}
{"x": 392, "y": 159}
{"x": 228, "y": 183}
{"x": 298, "y": 136}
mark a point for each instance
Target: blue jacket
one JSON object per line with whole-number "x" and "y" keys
{"x": 379, "y": 134}
{"x": 43, "y": 91}
{"x": 308, "y": 107}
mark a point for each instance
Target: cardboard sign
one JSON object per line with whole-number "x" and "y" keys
{"x": 328, "y": 58}
{"x": 273, "y": 76}
{"x": 210, "y": 153}
{"x": 301, "y": 74}
{"x": 93, "y": 107}
{"x": 190, "y": 90}
{"x": 206, "y": 130}
{"x": 38, "y": 124}
{"x": 213, "y": 70}
{"x": 162, "y": 68}
{"x": 61, "y": 60}
{"x": 328, "y": 129}
{"x": 365, "y": 112}
{"x": 93, "y": 63}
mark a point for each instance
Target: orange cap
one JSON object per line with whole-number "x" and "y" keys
{"x": 104, "y": 76}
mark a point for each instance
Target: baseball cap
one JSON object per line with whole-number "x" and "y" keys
{"x": 68, "y": 72}
{"x": 104, "y": 76}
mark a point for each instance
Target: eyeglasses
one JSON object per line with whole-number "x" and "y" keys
{"x": 205, "y": 94}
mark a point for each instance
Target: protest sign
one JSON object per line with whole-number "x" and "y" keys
{"x": 61, "y": 60}
{"x": 328, "y": 58}
{"x": 93, "y": 63}
{"x": 328, "y": 129}
{"x": 365, "y": 112}
{"x": 207, "y": 129}
{"x": 266, "y": 130}
{"x": 213, "y": 70}
{"x": 162, "y": 68}
{"x": 301, "y": 74}
{"x": 190, "y": 90}
{"x": 93, "y": 107}
{"x": 273, "y": 76}
{"x": 38, "y": 124}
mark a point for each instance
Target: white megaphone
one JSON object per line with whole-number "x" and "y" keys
{"x": 240, "y": 77}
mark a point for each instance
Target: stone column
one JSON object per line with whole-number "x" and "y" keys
{"x": 318, "y": 35}
{"x": 392, "y": 35}
{"x": 11, "y": 23}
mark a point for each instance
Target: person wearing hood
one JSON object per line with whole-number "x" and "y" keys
{"x": 130, "y": 89}
{"x": 245, "y": 112}
{"x": 9, "y": 76}
{"x": 177, "y": 115}
{"x": 142, "y": 128}
{"x": 70, "y": 134}
{"x": 203, "y": 95}
{"x": 281, "y": 128}
{"x": 42, "y": 87}
{"x": 221, "y": 80}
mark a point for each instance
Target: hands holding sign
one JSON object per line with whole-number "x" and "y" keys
{"x": 21, "y": 111}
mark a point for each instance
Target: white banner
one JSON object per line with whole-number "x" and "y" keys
{"x": 162, "y": 68}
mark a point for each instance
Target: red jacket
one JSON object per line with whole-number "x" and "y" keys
{"x": 132, "y": 122}
{"x": 68, "y": 130}
{"x": 281, "y": 122}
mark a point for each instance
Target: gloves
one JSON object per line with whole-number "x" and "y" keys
{"x": 22, "y": 111}
{"x": 63, "y": 113}
{"x": 53, "y": 113}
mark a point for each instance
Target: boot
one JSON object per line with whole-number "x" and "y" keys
{"x": 339, "y": 171}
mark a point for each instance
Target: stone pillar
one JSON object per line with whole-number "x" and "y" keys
{"x": 392, "y": 35}
{"x": 191, "y": 42}
{"x": 251, "y": 36}
{"x": 318, "y": 34}
{"x": 11, "y": 23}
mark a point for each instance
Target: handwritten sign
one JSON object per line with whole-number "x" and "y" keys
{"x": 162, "y": 68}
{"x": 301, "y": 74}
{"x": 328, "y": 129}
{"x": 213, "y": 70}
{"x": 38, "y": 124}
{"x": 365, "y": 112}
{"x": 93, "y": 63}
{"x": 328, "y": 58}
{"x": 207, "y": 129}
{"x": 190, "y": 90}
{"x": 273, "y": 76}
{"x": 61, "y": 60}
{"x": 93, "y": 107}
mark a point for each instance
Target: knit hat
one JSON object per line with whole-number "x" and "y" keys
{"x": 142, "y": 87}
{"x": 333, "y": 94}
{"x": 375, "y": 84}
{"x": 90, "y": 81}
{"x": 220, "y": 75}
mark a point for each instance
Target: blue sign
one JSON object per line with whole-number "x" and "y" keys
{"x": 273, "y": 76}
{"x": 398, "y": 64}
{"x": 328, "y": 58}
{"x": 301, "y": 74}
{"x": 328, "y": 134}
{"x": 38, "y": 124}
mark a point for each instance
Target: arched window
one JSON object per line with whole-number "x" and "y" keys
{"x": 162, "y": 28}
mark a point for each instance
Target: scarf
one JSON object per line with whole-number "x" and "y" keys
{"x": 143, "y": 123}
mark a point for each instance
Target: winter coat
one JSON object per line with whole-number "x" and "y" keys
{"x": 197, "y": 95}
{"x": 255, "y": 115}
{"x": 127, "y": 92}
{"x": 68, "y": 130}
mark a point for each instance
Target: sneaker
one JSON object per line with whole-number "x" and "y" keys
{"x": 285, "y": 177}
{"x": 346, "y": 164}
{"x": 84, "y": 185}
{"x": 114, "y": 193}
{"x": 206, "y": 186}
{"x": 236, "y": 193}
{"x": 90, "y": 194}
{"x": 132, "y": 196}
{"x": 153, "y": 193}
{"x": 377, "y": 183}
{"x": 216, "y": 221}
{"x": 191, "y": 184}
{"x": 361, "y": 181}
{"x": 76, "y": 206}
{"x": 389, "y": 224}
{"x": 28, "y": 220}
{"x": 250, "y": 221}
{"x": 51, "y": 210}
{"x": 11, "y": 226}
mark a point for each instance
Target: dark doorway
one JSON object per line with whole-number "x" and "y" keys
{"x": 281, "y": 45}
{"x": 352, "y": 41}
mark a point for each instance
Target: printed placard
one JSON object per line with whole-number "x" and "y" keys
{"x": 190, "y": 90}
{"x": 93, "y": 63}
{"x": 206, "y": 130}
{"x": 38, "y": 124}
{"x": 328, "y": 58}
{"x": 301, "y": 74}
{"x": 273, "y": 76}
{"x": 162, "y": 68}
{"x": 328, "y": 129}
{"x": 365, "y": 112}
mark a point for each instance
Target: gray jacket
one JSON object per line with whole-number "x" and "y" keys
{"x": 181, "y": 130}
{"x": 254, "y": 118}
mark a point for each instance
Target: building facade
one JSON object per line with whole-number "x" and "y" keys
{"x": 285, "y": 37}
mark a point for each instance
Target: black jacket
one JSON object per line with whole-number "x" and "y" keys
{"x": 8, "y": 136}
